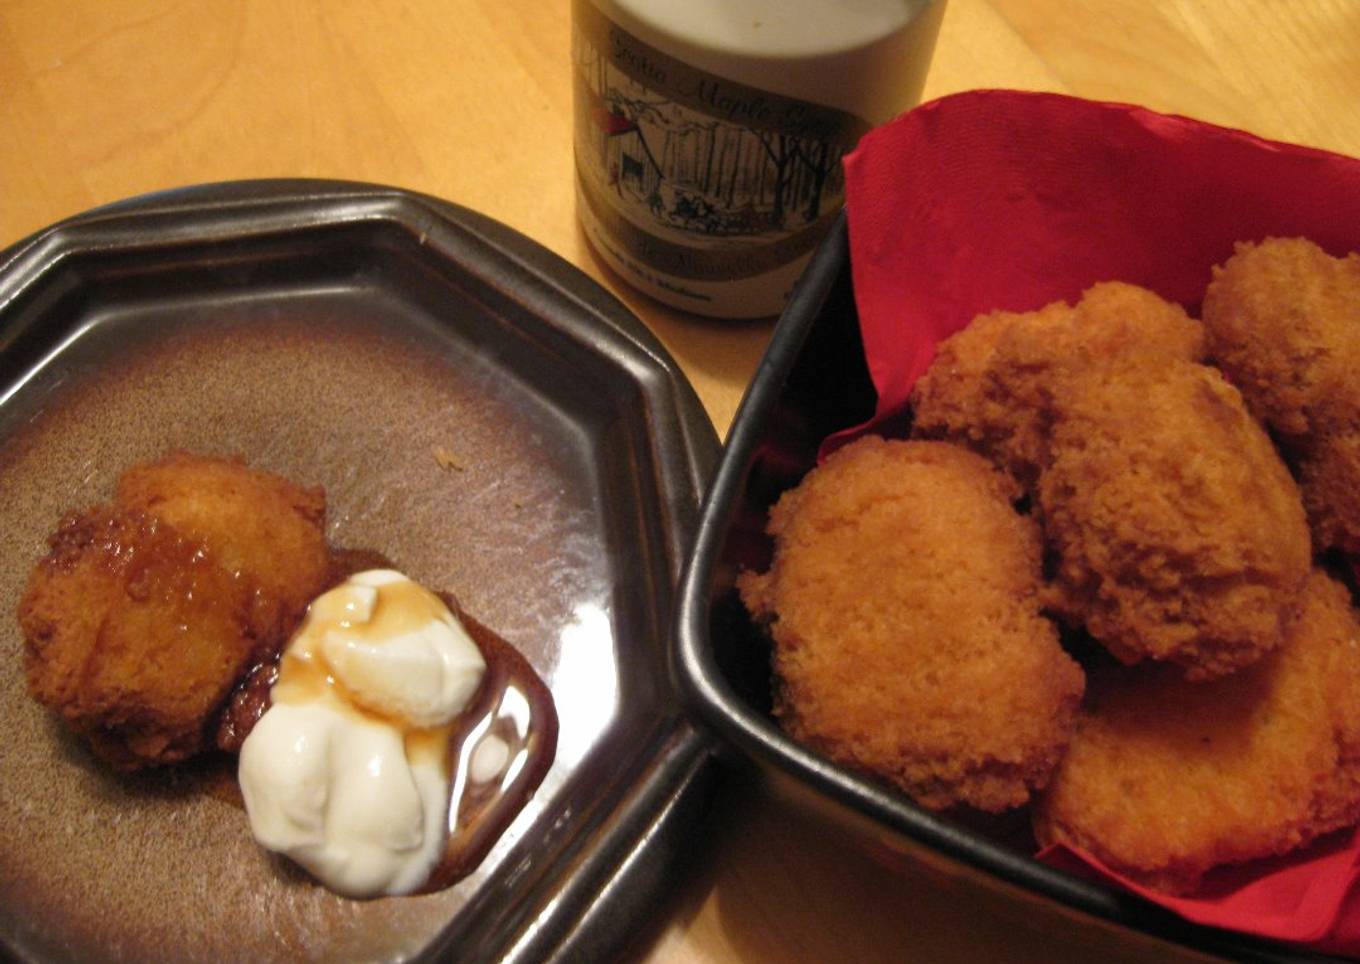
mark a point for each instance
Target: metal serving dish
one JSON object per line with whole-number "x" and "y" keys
{"x": 813, "y": 381}
{"x": 340, "y": 334}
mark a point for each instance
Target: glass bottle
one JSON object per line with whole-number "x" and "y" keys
{"x": 708, "y": 133}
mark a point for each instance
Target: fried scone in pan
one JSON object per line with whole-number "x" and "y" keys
{"x": 1177, "y": 530}
{"x": 1283, "y": 320}
{"x": 1165, "y": 779}
{"x": 261, "y": 525}
{"x": 908, "y": 643}
{"x": 990, "y": 385}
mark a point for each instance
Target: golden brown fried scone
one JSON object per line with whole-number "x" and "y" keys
{"x": 908, "y": 643}
{"x": 1283, "y": 321}
{"x": 988, "y": 386}
{"x": 261, "y": 525}
{"x": 1174, "y": 527}
{"x": 1178, "y": 533}
{"x": 134, "y": 635}
{"x": 145, "y": 613}
{"x": 1165, "y": 779}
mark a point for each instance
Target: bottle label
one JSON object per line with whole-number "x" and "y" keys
{"x": 696, "y": 176}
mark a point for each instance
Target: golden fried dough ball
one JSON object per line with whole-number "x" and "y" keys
{"x": 1177, "y": 531}
{"x": 1283, "y": 321}
{"x": 908, "y": 643}
{"x": 1166, "y": 779}
{"x": 1174, "y": 528}
{"x": 261, "y": 525}
{"x": 134, "y": 635}
{"x": 989, "y": 385}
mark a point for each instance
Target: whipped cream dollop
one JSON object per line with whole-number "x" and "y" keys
{"x": 347, "y": 772}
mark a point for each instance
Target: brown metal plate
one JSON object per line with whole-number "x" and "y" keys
{"x": 342, "y": 336}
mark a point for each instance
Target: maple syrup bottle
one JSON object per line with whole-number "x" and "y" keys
{"x": 709, "y": 133}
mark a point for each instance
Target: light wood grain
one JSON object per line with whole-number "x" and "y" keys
{"x": 470, "y": 100}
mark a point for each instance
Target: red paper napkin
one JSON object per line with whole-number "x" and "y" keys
{"x": 1003, "y": 199}
{"x": 1008, "y": 200}
{"x": 1310, "y": 898}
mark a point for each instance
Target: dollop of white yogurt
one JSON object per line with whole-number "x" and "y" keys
{"x": 347, "y": 772}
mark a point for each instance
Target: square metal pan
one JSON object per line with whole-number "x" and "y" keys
{"x": 340, "y": 334}
{"x": 812, "y": 382}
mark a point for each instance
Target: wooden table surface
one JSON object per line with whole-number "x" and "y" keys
{"x": 470, "y": 100}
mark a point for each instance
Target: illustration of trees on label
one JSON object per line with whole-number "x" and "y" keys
{"x": 714, "y": 172}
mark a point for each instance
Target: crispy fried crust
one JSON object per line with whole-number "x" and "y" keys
{"x": 903, "y": 606}
{"x": 134, "y": 635}
{"x": 1165, "y": 779}
{"x": 144, "y": 613}
{"x": 1176, "y": 531}
{"x": 259, "y": 524}
{"x": 1283, "y": 320}
{"x": 989, "y": 386}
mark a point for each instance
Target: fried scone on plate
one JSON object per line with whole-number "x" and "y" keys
{"x": 134, "y": 635}
{"x": 903, "y": 605}
{"x": 145, "y": 613}
{"x": 1165, "y": 779}
{"x": 1283, "y": 320}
